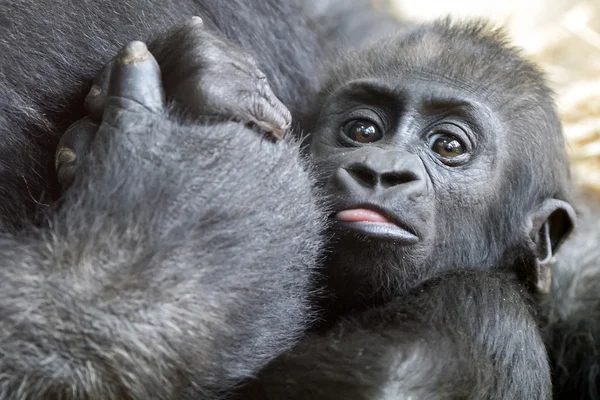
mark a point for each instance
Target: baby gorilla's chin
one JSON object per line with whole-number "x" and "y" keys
{"x": 363, "y": 254}
{"x": 360, "y": 266}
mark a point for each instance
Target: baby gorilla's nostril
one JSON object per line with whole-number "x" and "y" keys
{"x": 390, "y": 179}
{"x": 369, "y": 177}
{"x": 363, "y": 175}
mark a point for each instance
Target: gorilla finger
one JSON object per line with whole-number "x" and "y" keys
{"x": 74, "y": 145}
{"x": 189, "y": 27}
{"x": 96, "y": 98}
{"x": 135, "y": 82}
{"x": 268, "y": 114}
{"x": 194, "y": 39}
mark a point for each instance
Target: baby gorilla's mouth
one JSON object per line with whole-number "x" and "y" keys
{"x": 362, "y": 215}
{"x": 374, "y": 223}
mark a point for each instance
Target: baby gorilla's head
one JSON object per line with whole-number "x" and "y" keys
{"x": 440, "y": 149}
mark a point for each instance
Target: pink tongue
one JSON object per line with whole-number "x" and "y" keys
{"x": 361, "y": 215}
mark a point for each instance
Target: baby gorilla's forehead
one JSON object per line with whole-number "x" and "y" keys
{"x": 471, "y": 57}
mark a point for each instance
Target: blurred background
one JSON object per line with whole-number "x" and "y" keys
{"x": 563, "y": 36}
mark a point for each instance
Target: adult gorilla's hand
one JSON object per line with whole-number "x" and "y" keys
{"x": 203, "y": 75}
{"x": 130, "y": 90}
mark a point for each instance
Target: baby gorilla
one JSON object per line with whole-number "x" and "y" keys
{"x": 443, "y": 159}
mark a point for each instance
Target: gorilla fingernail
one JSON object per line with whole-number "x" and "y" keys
{"x": 197, "y": 21}
{"x": 134, "y": 52}
{"x": 95, "y": 91}
{"x": 64, "y": 156}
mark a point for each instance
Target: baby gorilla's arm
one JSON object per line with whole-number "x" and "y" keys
{"x": 463, "y": 335}
{"x": 179, "y": 263}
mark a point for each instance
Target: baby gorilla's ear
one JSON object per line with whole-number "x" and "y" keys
{"x": 550, "y": 224}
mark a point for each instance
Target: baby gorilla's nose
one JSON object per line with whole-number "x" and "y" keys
{"x": 379, "y": 170}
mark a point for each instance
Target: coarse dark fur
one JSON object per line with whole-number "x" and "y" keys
{"x": 145, "y": 286}
{"x": 177, "y": 265}
{"x": 451, "y": 317}
{"x": 341, "y": 25}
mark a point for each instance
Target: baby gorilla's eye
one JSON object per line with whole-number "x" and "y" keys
{"x": 362, "y": 131}
{"x": 447, "y": 146}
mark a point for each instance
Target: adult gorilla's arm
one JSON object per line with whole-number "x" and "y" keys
{"x": 178, "y": 264}
{"x": 466, "y": 334}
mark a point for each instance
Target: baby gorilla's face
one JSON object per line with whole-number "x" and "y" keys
{"x": 412, "y": 171}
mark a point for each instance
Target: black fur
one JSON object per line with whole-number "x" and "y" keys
{"x": 436, "y": 341}
{"x": 341, "y": 25}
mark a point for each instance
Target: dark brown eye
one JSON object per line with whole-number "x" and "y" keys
{"x": 362, "y": 131}
{"x": 447, "y": 146}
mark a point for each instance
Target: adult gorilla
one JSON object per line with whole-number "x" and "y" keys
{"x": 88, "y": 300}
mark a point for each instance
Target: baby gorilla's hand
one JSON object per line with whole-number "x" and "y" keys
{"x": 206, "y": 75}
